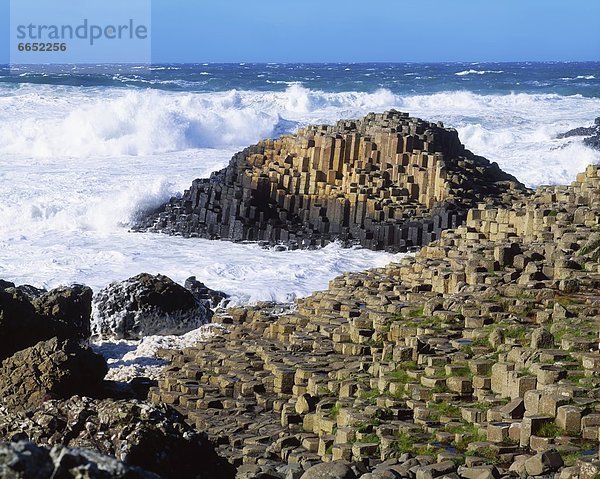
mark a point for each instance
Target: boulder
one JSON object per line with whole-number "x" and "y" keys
{"x": 28, "y": 461}
{"x": 436, "y": 470}
{"x": 544, "y": 462}
{"x": 52, "y": 368}
{"x": 147, "y": 305}
{"x": 154, "y": 438}
{"x": 19, "y": 324}
{"x": 329, "y": 470}
{"x": 542, "y": 339}
{"x": 26, "y": 320}
{"x": 68, "y": 310}
{"x": 31, "y": 292}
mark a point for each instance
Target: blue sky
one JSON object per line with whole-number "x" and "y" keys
{"x": 363, "y": 31}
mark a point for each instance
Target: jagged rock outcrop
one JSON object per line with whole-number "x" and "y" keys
{"x": 42, "y": 345}
{"x": 154, "y": 438}
{"x": 26, "y": 319}
{"x": 203, "y": 294}
{"x": 68, "y": 310}
{"x": 52, "y": 368}
{"x": 591, "y": 134}
{"x": 387, "y": 181}
{"x": 146, "y": 305}
{"x": 25, "y": 460}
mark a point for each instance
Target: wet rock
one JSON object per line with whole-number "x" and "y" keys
{"x": 31, "y": 292}
{"x": 52, "y": 368}
{"x": 204, "y": 295}
{"x": 20, "y": 326}
{"x": 6, "y": 284}
{"x": 147, "y": 305}
{"x": 591, "y": 133}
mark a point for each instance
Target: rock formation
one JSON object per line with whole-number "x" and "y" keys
{"x": 148, "y": 305}
{"x": 476, "y": 358}
{"x": 51, "y": 368}
{"x": 24, "y": 460}
{"x": 63, "y": 313}
{"x": 139, "y": 435}
{"x": 387, "y": 181}
{"x": 591, "y": 134}
{"x": 43, "y": 350}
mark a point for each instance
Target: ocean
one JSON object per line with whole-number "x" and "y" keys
{"x": 82, "y": 155}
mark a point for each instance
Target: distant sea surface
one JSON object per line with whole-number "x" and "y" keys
{"x": 82, "y": 154}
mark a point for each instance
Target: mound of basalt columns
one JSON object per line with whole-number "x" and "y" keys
{"x": 387, "y": 181}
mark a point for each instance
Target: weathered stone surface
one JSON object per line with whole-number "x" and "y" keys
{"x": 138, "y": 434}
{"x": 544, "y": 462}
{"x": 26, "y": 319}
{"x": 330, "y": 470}
{"x": 51, "y": 368}
{"x": 592, "y": 134}
{"x": 436, "y": 470}
{"x": 24, "y": 460}
{"x": 541, "y": 339}
{"x": 146, "y": 305}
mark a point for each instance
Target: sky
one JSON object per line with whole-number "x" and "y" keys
{"x": 366, "y": 31}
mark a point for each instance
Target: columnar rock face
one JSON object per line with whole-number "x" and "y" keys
{"x": 387, "y": 181}
{"x": 482, "y": 349}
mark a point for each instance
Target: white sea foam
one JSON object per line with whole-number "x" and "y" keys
{"x": 580, "y": 77}
{"x": 128, "y": 359}
{"x": 477, "y": 72}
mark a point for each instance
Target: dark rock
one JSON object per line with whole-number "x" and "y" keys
{"x": 154, "y": 438}
{"x": 329, "y": 470}
{"x": 544, "y": 462}
{"x": 31, "y": 292}
{"x": 68, "y": 309}
{"x": 204, "y": 295}
{"x": 591, "y": 133}
{"x": 25, "y": 460}
{"x": 63, "y": 313}
{"x": 147, "y": 305}
{"x": 6, "y": 284}
{"x": 51, "y": 368}
{"x": 20, "y": 326}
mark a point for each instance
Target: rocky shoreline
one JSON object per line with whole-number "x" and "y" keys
{"x": 476, "y": 358}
